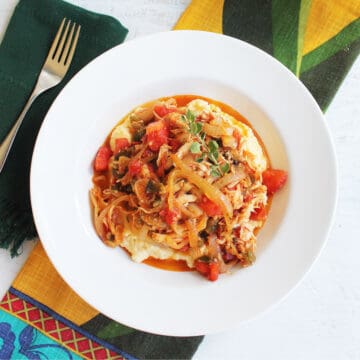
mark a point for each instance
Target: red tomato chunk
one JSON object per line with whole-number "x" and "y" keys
{"x": 213, "y": 271}
{"x": 162, "y": 110}
{"x": 202, "y": 267}
{"x": 157, "y": 134}
{"x": 274, "y": 180}
{"x": 135, "y": 166}
{"x": 208, "y": 269}
{"x": 102, "y": 158}
{"x": 259, "y": 214}
{"x": 169, "y": 216}
{"x": 121, "y": 144}
{"x": 210, "y": 208}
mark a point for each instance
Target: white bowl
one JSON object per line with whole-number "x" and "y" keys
{"x": 183, "y": 62}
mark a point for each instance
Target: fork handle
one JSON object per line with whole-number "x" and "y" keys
{"x": 9, "y": 139}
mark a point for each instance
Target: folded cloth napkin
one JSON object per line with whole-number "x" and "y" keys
{"x": 40, "y": 315}
{"x": 22, "y": 54}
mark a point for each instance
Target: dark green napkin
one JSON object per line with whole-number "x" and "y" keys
{"x": 22, "y": 53}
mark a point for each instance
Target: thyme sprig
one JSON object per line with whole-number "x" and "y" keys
{"x": 205, "y": 150}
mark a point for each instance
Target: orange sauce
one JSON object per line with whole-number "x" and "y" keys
{"x": 183, "y": 100}
{"x": 169, "y": 264}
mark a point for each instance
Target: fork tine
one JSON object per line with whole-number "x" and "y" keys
{"x": 73, "y": 47}
{"x": 67, "y": 45}
{"x": 56, "y": 40}
{"x": 51, "y": 74}
{"x": 59, "y": 50}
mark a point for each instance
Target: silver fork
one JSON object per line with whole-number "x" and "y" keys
{"x": 53, "y": 71}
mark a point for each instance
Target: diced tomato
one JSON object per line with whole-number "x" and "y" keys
{"x": 157, "y": 134}
{"x": 210, "y": 208}
{"x": 259, "y": 214}
{"x": 274, "y": 180}
{"x": 202, "y": 267}
{"x": 135, "y": 166}
{"x": 169, "y": 216}
{"x": 102, "y": 158}
{"x": 121, "y": 144}
{"x": 214, "y": 269}
{"x": 209, "y": 269}
{"x": 162, "y": 110}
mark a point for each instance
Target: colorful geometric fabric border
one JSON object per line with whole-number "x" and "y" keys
{"x": 25, "y": 329}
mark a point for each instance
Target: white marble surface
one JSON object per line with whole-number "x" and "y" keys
{"x": 321, "y": 318}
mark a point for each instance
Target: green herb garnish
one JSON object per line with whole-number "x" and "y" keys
{"x": 215, "y": 172}
{"x": 195, "y": 148}
{"x": 199, "y": 146}
{"x": 225, "y": 168}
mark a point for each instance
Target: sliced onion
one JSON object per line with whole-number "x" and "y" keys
{"x": 99, "y": 223}
{"x": 212, "y": 192}
{"x": 184, "y": 150}
{"x": 183, "y": 209}
{"x": 230, "y": 178}
{"x": 140, "y": 191}
{"x": 173, "y": 175}
{"x": 124, "y": 199}
{"x": 153, "y": 210}
{"x": 144, "y": 114}
{"x": 216, "y": 131}
{"x": 193, "y": 235}
{"x": 195, "y": 210}
{"x": 178, "y": 229}
{"x": 201, "y": 224}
